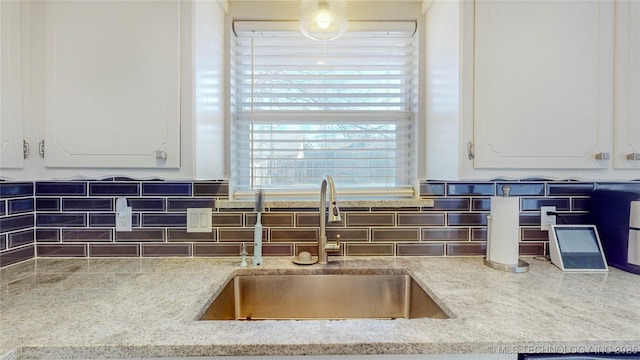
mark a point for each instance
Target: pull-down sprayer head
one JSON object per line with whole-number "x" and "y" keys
{"x": 334, "y": 211}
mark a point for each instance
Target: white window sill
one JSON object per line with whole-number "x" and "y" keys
{"x": 285, "y": 204}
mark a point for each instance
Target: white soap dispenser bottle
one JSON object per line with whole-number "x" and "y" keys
{"x": 257, "y": 230}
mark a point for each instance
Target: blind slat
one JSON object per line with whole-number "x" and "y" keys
{"x": 377, "y": 74}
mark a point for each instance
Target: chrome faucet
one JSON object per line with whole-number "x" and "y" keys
{"x": 334, "y": 218}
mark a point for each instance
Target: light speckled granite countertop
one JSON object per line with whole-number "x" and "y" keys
{"x": 91, "y": 308}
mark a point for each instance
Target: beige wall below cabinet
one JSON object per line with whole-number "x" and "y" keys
{"x": 11, "y": 121}
{"x": 112, "y": 84}
{"x": 627, "y": 104}
{"x": 543, "y": 85}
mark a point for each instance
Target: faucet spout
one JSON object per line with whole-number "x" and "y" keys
{"x": 334, "y": 218}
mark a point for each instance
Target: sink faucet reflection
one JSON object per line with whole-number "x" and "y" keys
{"x": 333, "y": 218}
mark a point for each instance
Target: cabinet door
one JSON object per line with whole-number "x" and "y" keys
{"x": 112, "y": 84}
{"x": 543, "y": 84}
{"x": 11, "y": 121}
{"x": 627, "y": 114}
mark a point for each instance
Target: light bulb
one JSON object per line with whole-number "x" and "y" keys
{"x": 323, "y": 19}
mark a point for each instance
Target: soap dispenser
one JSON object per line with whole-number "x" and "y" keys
{"x": 257, "y": 229}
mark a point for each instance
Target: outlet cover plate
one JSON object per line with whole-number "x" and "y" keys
{"x": 123, "y": 223}
{"x": 547, "y": 220}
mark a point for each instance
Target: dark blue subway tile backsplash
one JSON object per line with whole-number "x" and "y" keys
{"x": 103, "y": 220}
{"x": 61, "y": 219}
{"x": 521, "y": 189}
{"x": 449, "y": 204}
{"x": 20, "y": 238}
{"x": 572, "y": 218}
{"x": 580, "y": 204}
{"x": 481, "y": 204}
{"x": 534, "y": 204}
{"x": 47, "y": 188}
{"x": 633, "y": 187}
{"x": 114, "y": 189}
{"x": 166, "y": 189}
{"x": 48, "y": 204}
{"x": 13, "y": 256}
{"x": 62, "y": 250}
{"x": 87, "y": 235}
{"x": 77, "y": 219}
{"x": 13, "y": 190}
{"x": 530, "y": 219}
{"x": 471, "y": 189}
{"x": 47, "y": 235}
{"x": 109, "y": 220}
{"x": 432, "y": 189}
{"x": 213, "y": 188}
{"x": 164, "y": 220}
{"x": 19, "y": 206}
{"x": 17, "y": 222}
{"x": 184, "y": 204}
{"x": 148, "y": 204}
{"x": 87, "y": 204}
{"x": 468, "y": 219}
{"x": 569, "y": 189}
{"x": 141, "y": 235}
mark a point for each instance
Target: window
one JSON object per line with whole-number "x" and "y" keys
{"x": 302, "y": 109}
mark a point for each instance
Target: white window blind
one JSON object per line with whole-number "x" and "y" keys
{"x": 303, "y": 109}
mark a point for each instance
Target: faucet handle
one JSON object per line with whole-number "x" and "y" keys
{"x": 333, "y": 247}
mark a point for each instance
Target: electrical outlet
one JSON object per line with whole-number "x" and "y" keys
{"x": 123, "y": 223}
{"x": 547, "y": 220}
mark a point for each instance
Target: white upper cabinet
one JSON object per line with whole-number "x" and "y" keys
{"x": 112, "y": 84}
{"x": 11, "y": 122}
{"x": 627, "y": 111}
{"x": 543, "y": 84}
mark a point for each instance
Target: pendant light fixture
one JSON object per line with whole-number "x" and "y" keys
{"x": 323, "y": 20}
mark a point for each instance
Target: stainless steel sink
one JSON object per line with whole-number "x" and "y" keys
{"x": 322, "y": 296}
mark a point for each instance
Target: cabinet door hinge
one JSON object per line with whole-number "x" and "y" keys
{"x": 471, "y": 151}
{"x": 25, "y": 149}
{"x": 41, "y": 148}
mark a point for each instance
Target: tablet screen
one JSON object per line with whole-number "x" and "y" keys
{"x": 577, "y": 240}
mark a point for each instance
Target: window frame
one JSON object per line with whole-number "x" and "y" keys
{"x": 416, "y": 156}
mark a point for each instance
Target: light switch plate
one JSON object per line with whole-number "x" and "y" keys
{"x": 198, "y": 220}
